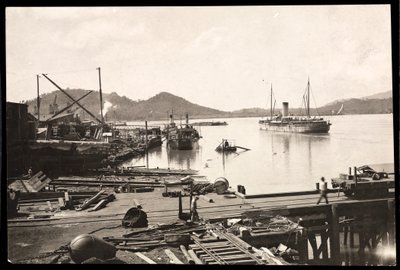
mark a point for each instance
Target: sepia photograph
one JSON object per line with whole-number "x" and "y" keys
{"x": 210, "y": 135}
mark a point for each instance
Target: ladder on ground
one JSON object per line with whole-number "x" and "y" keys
{"x": 227, "y": 249}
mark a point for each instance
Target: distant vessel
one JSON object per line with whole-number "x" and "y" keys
{"x": 212, "y": 123}
{"x": 296, "y": 124}
{"x": 266, "y": 120}
{"x": 181, "y": 137}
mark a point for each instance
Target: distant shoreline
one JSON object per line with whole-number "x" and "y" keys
{"x": 235, "y": 116}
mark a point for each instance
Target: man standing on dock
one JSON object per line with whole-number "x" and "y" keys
{"x": 193, "y": 206}
{"x": 323, "y": 189}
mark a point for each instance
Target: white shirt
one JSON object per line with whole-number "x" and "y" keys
{"x": 323, "y": 185}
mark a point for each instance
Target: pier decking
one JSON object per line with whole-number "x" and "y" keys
{"x": 41, "y": 235}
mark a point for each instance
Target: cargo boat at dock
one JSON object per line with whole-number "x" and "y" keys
{"x": 366, "y": 181}
{"x": 295, "y": 124}
{"x": 181, "y": 137}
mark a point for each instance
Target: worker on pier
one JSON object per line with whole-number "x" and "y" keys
{"x": 30, "y": 172}
{"x": 323, "y": 189}
{"x": 194, "y": 216}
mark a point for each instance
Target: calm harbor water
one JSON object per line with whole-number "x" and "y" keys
{"x": 280, "y": 162}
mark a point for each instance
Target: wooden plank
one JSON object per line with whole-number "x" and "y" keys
{"x": 194, "y": 257}
{"x": 244, "y": 262}
{"x": 200, "y": 251}
{"x": 145, "y": 258}
{"x": 91, "y": 200}
{"x": 61, "y": 203}
{"x": 283, "y": 194}
{"x": 205, "y": 198}
{"x": 137, "y": 204}
{"x": 99, "y": 205}
{"x": 50, "y": 206}
{"x": 172, "y": 256}
{"x": 232, "y": 257}
{"x": 186, "y": 254}
{"x": 217, "y": 245}
{"x": 223, "y": 253}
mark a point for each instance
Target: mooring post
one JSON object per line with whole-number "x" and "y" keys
{"x": 190, "y": 198}
{"x": 303, "y": 249}
{"x": 390, "y": 222}
{"x": 361, "y": 251}
{"x": 335, "y": 237}
{"x": 324, "y": 245}
{"x": 355, "y": 180}
{"x": 180, "y": 204}
{"x": 346, "y": 232}
{"x": 351, "y": 236}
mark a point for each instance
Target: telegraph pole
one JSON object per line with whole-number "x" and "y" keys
{"x": 101, "y": 97}
{"x": 38, "y": 98}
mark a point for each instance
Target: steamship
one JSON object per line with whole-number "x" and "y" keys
{"x": 284, "y": 122}
{"x": 181, "y": 137}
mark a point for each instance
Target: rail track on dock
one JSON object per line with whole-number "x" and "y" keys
{"x": 224, "y": 250}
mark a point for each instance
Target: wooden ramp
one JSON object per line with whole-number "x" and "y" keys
{"x": 227, "y": 249}
{"x": 37, "y": 182}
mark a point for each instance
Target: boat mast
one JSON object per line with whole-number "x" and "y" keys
{"x": 308, "y": 98}
{"x": 271, "y": 101}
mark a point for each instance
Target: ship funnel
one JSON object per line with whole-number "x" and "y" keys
{"x": 187, "y": 118}
{"x": 285, "y": 109}
{"x": 170, "y": 118}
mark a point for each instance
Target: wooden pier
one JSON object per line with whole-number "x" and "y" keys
{"x": 328, "y": 229}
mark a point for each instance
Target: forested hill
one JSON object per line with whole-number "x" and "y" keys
{"x": 158, "y": 107}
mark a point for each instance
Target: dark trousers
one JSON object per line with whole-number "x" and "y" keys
{"x": 195, "y": 216}
{"x": 323, "y": 195}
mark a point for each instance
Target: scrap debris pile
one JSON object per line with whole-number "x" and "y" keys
{"x": 176, "y": 243}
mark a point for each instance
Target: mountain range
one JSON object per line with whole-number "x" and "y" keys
{"x": 158, "y": 107}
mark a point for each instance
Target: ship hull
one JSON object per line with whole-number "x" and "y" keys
{"x": 309, "y": 127}
{"x": 183, "y": 144}
{"x": 67, "y": 156}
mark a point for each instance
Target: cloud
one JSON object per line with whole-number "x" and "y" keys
{"x": 209, "y": 40}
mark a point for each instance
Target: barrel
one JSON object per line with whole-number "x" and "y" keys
{"x": 221, "y": 184}
{"x": 86, "y": 246}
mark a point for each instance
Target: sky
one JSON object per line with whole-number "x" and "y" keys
{"x": 220, "y": 57}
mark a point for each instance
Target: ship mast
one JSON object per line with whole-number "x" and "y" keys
{"x": 308, "y": 98}
{"x": 271, "y": 101}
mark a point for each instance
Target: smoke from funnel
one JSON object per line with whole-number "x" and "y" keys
{"x": 107, "y": 106}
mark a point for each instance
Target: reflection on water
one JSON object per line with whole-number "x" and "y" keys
{"x": 183, "y": 158}
{"x": 279, "y": 162}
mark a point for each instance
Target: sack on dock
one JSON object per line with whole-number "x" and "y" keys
{"x": 135, "y": 218}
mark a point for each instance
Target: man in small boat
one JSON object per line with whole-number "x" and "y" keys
{"x": 226, "y": 145}
{"x": 323, "y": 189}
